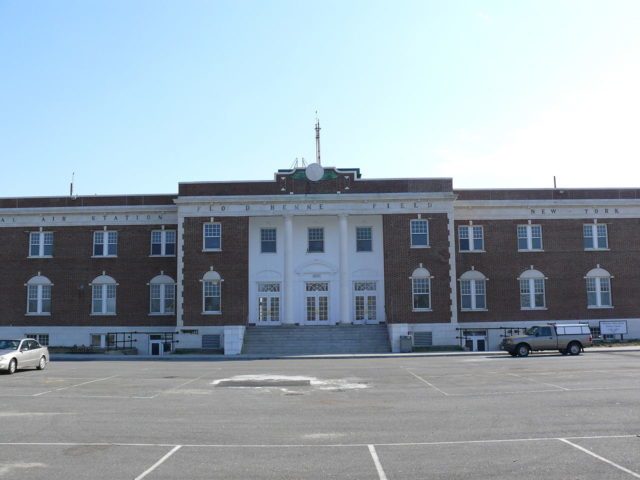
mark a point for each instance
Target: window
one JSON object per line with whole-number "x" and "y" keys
{"x": 419, "y": 233}
{"x": 471, "y": 238}
{"x": 268, "y": 302}
{"x": 41, "y": 244}
{"x": 532, "y": 290}
{"x": 473, "y": 294}
{"x": 41, "y": 338}
{"x": 595, "y": 237}
{"x": 211, "y": 300}
{"x": 39, "y": 296}
{"x": 529, "y": 237}
{"x": 103, "y": 295}
{"x": 317, "y": 301}
{"x": 598, "y": 288}
{"x": 421, "y": 289}
{"x": 363, "y": 239}
{"x": 163, "y": 243}
{"x": 316, "y": 240}
{"x": 365, "y": 300}
{"x": 268, "y": 240}
{"x": 105, "y": 244}
{"x": 162, "y": 290}
{"x": 212, "y": 236}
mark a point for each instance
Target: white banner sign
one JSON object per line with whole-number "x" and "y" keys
{"x": 613, "y": 328}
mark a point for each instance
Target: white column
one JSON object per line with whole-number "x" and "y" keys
{"x": 288, "y": 271}
{"x": 345, "y": 290}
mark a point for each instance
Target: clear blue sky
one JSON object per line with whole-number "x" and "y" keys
{"x": 136, "y": 96}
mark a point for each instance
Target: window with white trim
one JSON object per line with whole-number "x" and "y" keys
{"x": 41, "y": 244}
{"x": 419, "y": 233}
{"x": 39, "y": 296}
{"x": 365, "y": 300}
{"x": 163, "y": 243}
{"x": 364, "y": 242}
{"x": 599, "y": 288}
{"x": 529, "y": 238}
{"x": 471, "y": 238}
{"x": 162, "y": 294}
{"x": 532, "y": 296}
{"x": 315, "y": 237}
{"x": 595, "y": 236}
{"x": 473, "y": 291}
{"x": 105, "y": 243}
{"x": 41, "y": 338}
{"x": 103, "y": 295}
{"x": 211, "y": 294}
{"x": 268, "y": 302}
{"x": 421, "y": 289}
{"x": 212, "y": 236}
{"x": 268, "y": 239}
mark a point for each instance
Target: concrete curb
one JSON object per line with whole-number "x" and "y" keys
{"x": 70, "y": 357}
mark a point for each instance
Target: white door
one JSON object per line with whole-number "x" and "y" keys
{"x": 268, "y": 303}
{"x": 317, "y": 302}
{"x": 365, "y": 302}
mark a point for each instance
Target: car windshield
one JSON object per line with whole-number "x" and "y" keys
{"x": 9, "y": 344}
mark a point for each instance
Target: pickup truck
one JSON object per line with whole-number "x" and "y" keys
{"x": 567, "y": 339}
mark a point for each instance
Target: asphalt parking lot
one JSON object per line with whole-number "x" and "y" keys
{"x": 441, "y": 417}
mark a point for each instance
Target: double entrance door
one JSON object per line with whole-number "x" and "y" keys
{"x": 316, "y": 302}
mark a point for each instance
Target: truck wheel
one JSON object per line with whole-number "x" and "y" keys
{"x": 574, "y": 348}
{"x": 522, "y": 350}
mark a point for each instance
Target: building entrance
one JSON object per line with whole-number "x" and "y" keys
{"x": 317, "y": 303}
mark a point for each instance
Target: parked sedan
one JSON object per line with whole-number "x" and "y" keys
{"x": 23, "y": 353}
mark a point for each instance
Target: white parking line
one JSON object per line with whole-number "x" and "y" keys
{"x": 73, "y": 386}
{"x": 158, "y": 463}
{"x": 602, "y": 459}
{"x": 180, "y": 386}
{"x": 376, "y": 461}
{"x": 540, "y": 383}
{"x": 430, "y": 384}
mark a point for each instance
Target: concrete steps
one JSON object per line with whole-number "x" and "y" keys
{"x": 316, "y": 339}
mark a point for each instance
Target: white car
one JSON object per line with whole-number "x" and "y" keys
{"x": 15, "y": 354}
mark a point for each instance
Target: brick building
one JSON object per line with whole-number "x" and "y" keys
{"x": 316, "y": 247}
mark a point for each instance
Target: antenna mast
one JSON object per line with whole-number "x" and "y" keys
{"x": 318, "y": 139}
{"x": 73, "y": 174}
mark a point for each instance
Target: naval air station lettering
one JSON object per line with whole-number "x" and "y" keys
{"x": 307, "y": 207}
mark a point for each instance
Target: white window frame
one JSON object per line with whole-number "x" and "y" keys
{"x": 268, "y": 292}
{"x": 417, "y": 221}
{"x": 103, "y": 290}
{"x": 163, "y": 243}
{"x": 211, "y": 288}
{"x": 166, "y": 292}
{"x": 529, "y": 231}
{"x": 214, "y": 226}
{"x": 599, "y": 282}
{"x": 107, "y": 236}
{"x": 365, "y": 289}
{"x": 470, "y": 232}
{"x": 477, "y": 288}
{"x": 532, "y": 285}
{"x": 41, "y": 338}
{"x": 309, "y": 239}
{"x": 39, "y": 291}
{"x": 362, "y": 229}
{"x": 268, "y": 241}
{"x": 591, "y": 230}
{"x": 41, "y": 242}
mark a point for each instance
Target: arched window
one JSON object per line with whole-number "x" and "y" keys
{"x": 532, "y": 290}
{"x": 162, "y": 294}
{"x": 473, "y": 291}
{"x": 598, "y": 288}
{"x": 103, "y": 295}
{"x": 211, "y": 299}
{"x": 39, "y": 295}
{"x": 421, "y": 289}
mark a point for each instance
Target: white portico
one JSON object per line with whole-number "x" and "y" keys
{"x": 323, "y": 269}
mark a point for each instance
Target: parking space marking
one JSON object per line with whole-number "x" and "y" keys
{"x": 158, "y": 463}
{"x": 73, "y": 386}
{"x": 540, "y": 383}
{"x": 602, "y": 459}
{"x": 179, "y": 386}
{"x": 376, "y": 461}
{"x": 427, "y": 383}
